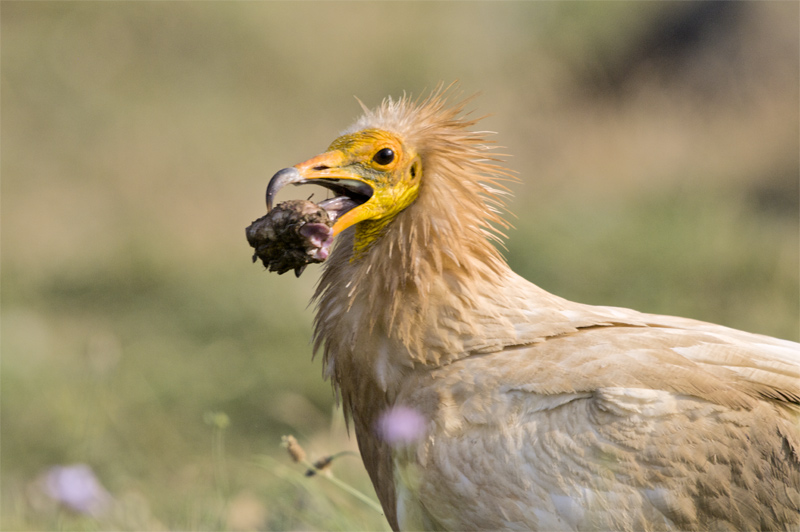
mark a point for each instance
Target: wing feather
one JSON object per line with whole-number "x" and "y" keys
{"x": 618, "y": 427}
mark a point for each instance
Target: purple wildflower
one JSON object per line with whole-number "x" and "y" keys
{"x": 401, "y": 425}
{"x": 77, "y": 488}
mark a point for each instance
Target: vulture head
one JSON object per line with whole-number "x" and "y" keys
{"x": 412, "y": 175}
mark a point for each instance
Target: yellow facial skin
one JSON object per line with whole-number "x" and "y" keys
{"x": 379, "y": 159}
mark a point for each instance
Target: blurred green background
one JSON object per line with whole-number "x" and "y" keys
{"x": 657, "y": 146}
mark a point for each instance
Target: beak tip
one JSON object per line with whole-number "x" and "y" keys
{"x": 280, "y": 180}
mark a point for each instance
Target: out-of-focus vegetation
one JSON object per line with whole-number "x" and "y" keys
{"x": 656, "y": 145}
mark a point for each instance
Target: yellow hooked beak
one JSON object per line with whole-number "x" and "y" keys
{"x": 372, "y": 175}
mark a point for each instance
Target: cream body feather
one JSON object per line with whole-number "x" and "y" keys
{"x": 541, "y": 413}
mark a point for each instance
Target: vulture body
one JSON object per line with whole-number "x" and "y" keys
{"x": 538, "y": 413}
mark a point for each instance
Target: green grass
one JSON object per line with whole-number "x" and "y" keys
{"x": 709, "y": 256}
{"x": 138, "y": 138}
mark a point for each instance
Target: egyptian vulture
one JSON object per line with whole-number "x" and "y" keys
{"x": 534, "y": 412}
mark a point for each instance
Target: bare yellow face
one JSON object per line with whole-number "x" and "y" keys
{"x": 374, "y": 175}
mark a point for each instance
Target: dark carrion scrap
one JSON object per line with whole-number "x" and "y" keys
{"x": 292, "y": 235}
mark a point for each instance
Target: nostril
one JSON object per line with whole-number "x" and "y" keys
{"x": 320, "y": 167}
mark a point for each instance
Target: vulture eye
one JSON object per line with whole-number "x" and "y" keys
{"x": 384, "y": 156}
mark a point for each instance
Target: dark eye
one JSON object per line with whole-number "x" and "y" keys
{"x": 384, "y": 156}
